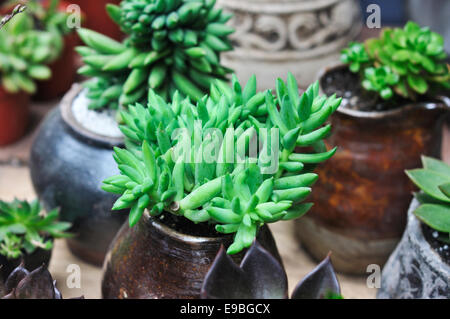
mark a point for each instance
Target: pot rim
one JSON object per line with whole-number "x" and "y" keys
{"x": 443, "y": 104}
{"x": 415, "y": 234}
{"x": 66, "y": 113}
{"x": 179, "y": 235}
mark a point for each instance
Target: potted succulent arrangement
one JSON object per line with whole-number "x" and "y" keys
{"x": 194, "y": 178}
{"x": 391, "y": 114}
{"x": 27, "y": 235}
{"x": 170, "y": 45}
{"x": 261, "y": 276}
{"x": 24, "y": 52}
{"x": 420, "y": 265}
{"x": 23, "y": 284}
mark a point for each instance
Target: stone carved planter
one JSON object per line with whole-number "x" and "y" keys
{"x": 415, "y": 270}
{"x": 276, "y": 36}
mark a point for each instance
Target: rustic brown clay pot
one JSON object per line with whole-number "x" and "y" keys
{"x": 63, "y": 72}
{"x": 14, "y": 116}
{"x": 152, "y": 261}
{"x": 363, "y": 194}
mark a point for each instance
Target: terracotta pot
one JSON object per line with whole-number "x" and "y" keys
{"x": 68, "y": 164}
{"x": 274, "y": 37}
{"x": 14, "y": 116}
{"x": 31, "y": 261}
{"x": 415, "y": 270}
{"x": 152, "y": 261}
{"x": 63, "y": 72}
{"x": 98, "y": 19}
{"x": 363, "y": 194}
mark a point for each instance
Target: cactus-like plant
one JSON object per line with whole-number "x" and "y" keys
{"x": 261, "y": 276}
{"x": 198, "y": 161}
{"x": 434, "y": 182}
{"x": 25, "y": 228}
{"x": 171, "y": 45}
{"x": 24, "y": 53}
{"x": 411, "y": 60}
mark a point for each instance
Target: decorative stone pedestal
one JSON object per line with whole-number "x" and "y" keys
{"x": 274, "y": 37}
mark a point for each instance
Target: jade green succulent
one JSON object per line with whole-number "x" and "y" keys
{"x": 411, "y": 59}
{"x": 171, "y": 45}
{"x": 25, "y": 228}
{"x": 236, "y": 159}
{"x": 434, "y": 182}
{"x": 25, "y": 52}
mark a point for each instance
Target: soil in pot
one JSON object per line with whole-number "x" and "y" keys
{"x": 166, "y": 257}
{"x": 363, "y": 194}
{"x": 14, "y": 116}
{"x": 432, "y": 236}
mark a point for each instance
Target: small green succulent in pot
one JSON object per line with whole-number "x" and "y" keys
{"x": 199, "y": 160}
{"x": 411, "y": 60}
{"x": 433, "y": 181}
{"x": 25, "y": 228}
{"x": 24, "y": 53}
{"x": 172, "y": 45}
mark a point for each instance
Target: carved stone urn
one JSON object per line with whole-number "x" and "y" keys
{"x": 274, "y": 37}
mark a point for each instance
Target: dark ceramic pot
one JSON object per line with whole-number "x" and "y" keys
{"x": 152, "y": 261}
{"x": 31, "y": 261}
{"x": 415, "y": 270}
{"x": 68, "y": 164}
{"x": 363, "y": 194}
{"x": 14, "y": 116}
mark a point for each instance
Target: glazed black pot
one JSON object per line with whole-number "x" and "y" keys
{"x": 31, "y": 261}
{"x": 415, "y": 270}
{"x": 68, "y": 164}
{"x": 154, "y": 261}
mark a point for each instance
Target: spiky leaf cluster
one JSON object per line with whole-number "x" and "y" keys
{"x": 24, "y": 52}
{"x": 434, "y": 182}
{"x": 196, "y": 160}
{"x": 23, "y": 284}
{"x": 412, "y": 58}
{"x": 24, "y": 228}
{"x": 172, "y": 45}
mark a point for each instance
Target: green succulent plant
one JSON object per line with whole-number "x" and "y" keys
{"x": 23, "y": 55}
{"x": 412, "y": 57}
{"x": 434, "y": 182}
{"x": 197, "y": 161}
{"x": 24, "y": 228}
{"x": 172, "y": 45}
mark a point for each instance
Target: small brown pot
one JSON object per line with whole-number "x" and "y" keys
{"x": 63, "y": 72}
{"x": 363, "y": 194}
{"x": 98, "y": 19}
{"x": 14, "y": 116}
{"x": 152, "y": 261}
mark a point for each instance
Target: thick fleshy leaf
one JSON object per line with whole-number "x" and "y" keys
{"x": 436, "y": 216}
{"x": 37, "y": 285}
{"x": 260, "y": 276}
{"x": 436, "y": 165}
{"x": 319, "y": 283}
{"x": 429, "y": 181}
{"x": 15, "y": 277}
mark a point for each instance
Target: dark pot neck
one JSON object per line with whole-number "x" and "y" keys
{"x": 80, "y": 131}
